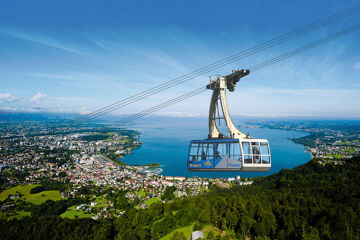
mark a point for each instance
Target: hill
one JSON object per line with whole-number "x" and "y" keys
{"x": 317, "y": 200}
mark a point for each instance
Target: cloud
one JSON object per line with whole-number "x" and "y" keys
{"x": 8, "y": 109}
{"x": 41, "y": 40}
{"x": 7, "y": 97}
{"x": 84, "y": 110}
{"x": 38, "y": 98}
{"x": 35, "y": 109}
{"x": 23, "y": 109}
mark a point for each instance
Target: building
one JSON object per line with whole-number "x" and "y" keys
{"x": 197, "y": 235}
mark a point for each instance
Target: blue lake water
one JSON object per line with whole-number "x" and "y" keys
{"x": 166, "y": 141}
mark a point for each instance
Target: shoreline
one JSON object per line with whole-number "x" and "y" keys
{"x": 176, "y": 149}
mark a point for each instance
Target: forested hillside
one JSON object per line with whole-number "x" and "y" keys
{"x": 312, "y": 201}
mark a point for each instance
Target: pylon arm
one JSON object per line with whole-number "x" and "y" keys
{"x": 219, "y": 87}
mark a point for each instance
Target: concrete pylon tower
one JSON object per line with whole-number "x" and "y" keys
{"x": 219, "y": 87}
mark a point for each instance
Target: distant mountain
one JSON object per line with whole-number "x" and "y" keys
{"x": 25, "y": 116}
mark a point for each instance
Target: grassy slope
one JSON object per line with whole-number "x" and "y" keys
{"x": 23, "y": 189}
{"x": 186, "y": 230}
{"x": 41, "y": 197}
{"x": 100, "y": 201}
{"x": 189, "y": 229}
{"x": 71, "y": 213}
{"x": 151, "y": 201}
{"x": 141, "y": 192}
{"x": 37, "y": 198}
{"x": 14, "y": 215}
{"x": 19, "y": 215}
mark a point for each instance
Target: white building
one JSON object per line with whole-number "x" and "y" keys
{"x": 197, "y": 235}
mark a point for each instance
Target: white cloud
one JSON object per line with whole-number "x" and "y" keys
{"x": 38, "y": 98}
{"x": 84, "y": 110}
{"x": 41, "y": 40}
{"x": 8, "y": 109}
{"x": 7, "y": 97}
{"x": 23, "y": 109}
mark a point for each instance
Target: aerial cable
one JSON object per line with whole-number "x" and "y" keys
{"x": 220, "y": 63}
{"x": 252, "y": 69}
{"x": 304, "y": 48}
{"x": 160, "y": 106}
{"x": 132, "y": 100}
{"x": 300, "y": 30}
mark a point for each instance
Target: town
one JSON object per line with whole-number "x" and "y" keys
{"x": 86, "y": 162}
{"x": 330, "y": 140}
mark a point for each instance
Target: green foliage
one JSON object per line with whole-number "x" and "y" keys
{"x": 73, "y": 213}
{"x": 211, "y": 235}
{"x": 198, "y": 226}
{"x": 37, "y": 189}
{"x": 164, "y": 226}
{"x": 55, "y": 228}
{"x": 53, "y": 185}
{"x": 169, "y": 193}
{"x": 178, "y": 236}
{"x": 49, "y": 208}
{"x": 204, "y": 217}
{"x": 187, "y": 230}
{"x": 151, "y": 201}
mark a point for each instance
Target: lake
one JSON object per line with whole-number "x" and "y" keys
{"x": 166, "y": 141}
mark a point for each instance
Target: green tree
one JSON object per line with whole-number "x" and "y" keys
{"x": 211, "y": 235}
{"x": 246, "y": 224}
{"x": 169, "y": 193}
{"x": 198, "y": 226}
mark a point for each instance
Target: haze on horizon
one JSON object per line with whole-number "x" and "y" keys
{"x": 76, "y": 57}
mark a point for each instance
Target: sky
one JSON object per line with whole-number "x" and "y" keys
{"x": 78, "y": 56}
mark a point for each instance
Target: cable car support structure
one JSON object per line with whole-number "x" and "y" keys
{"x": 234, "y": 151}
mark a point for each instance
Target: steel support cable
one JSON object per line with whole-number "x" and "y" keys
{"x": 304, "y": 48}
{"x": 220, "y": 63}
{"x": 306, "y": 29}
{"x": 160, "y": 106}
{"x": 136, "y": 99}
{"x": 253, "y": 69}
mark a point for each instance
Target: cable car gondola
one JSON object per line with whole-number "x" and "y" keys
{"x": 235, "y": 152}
